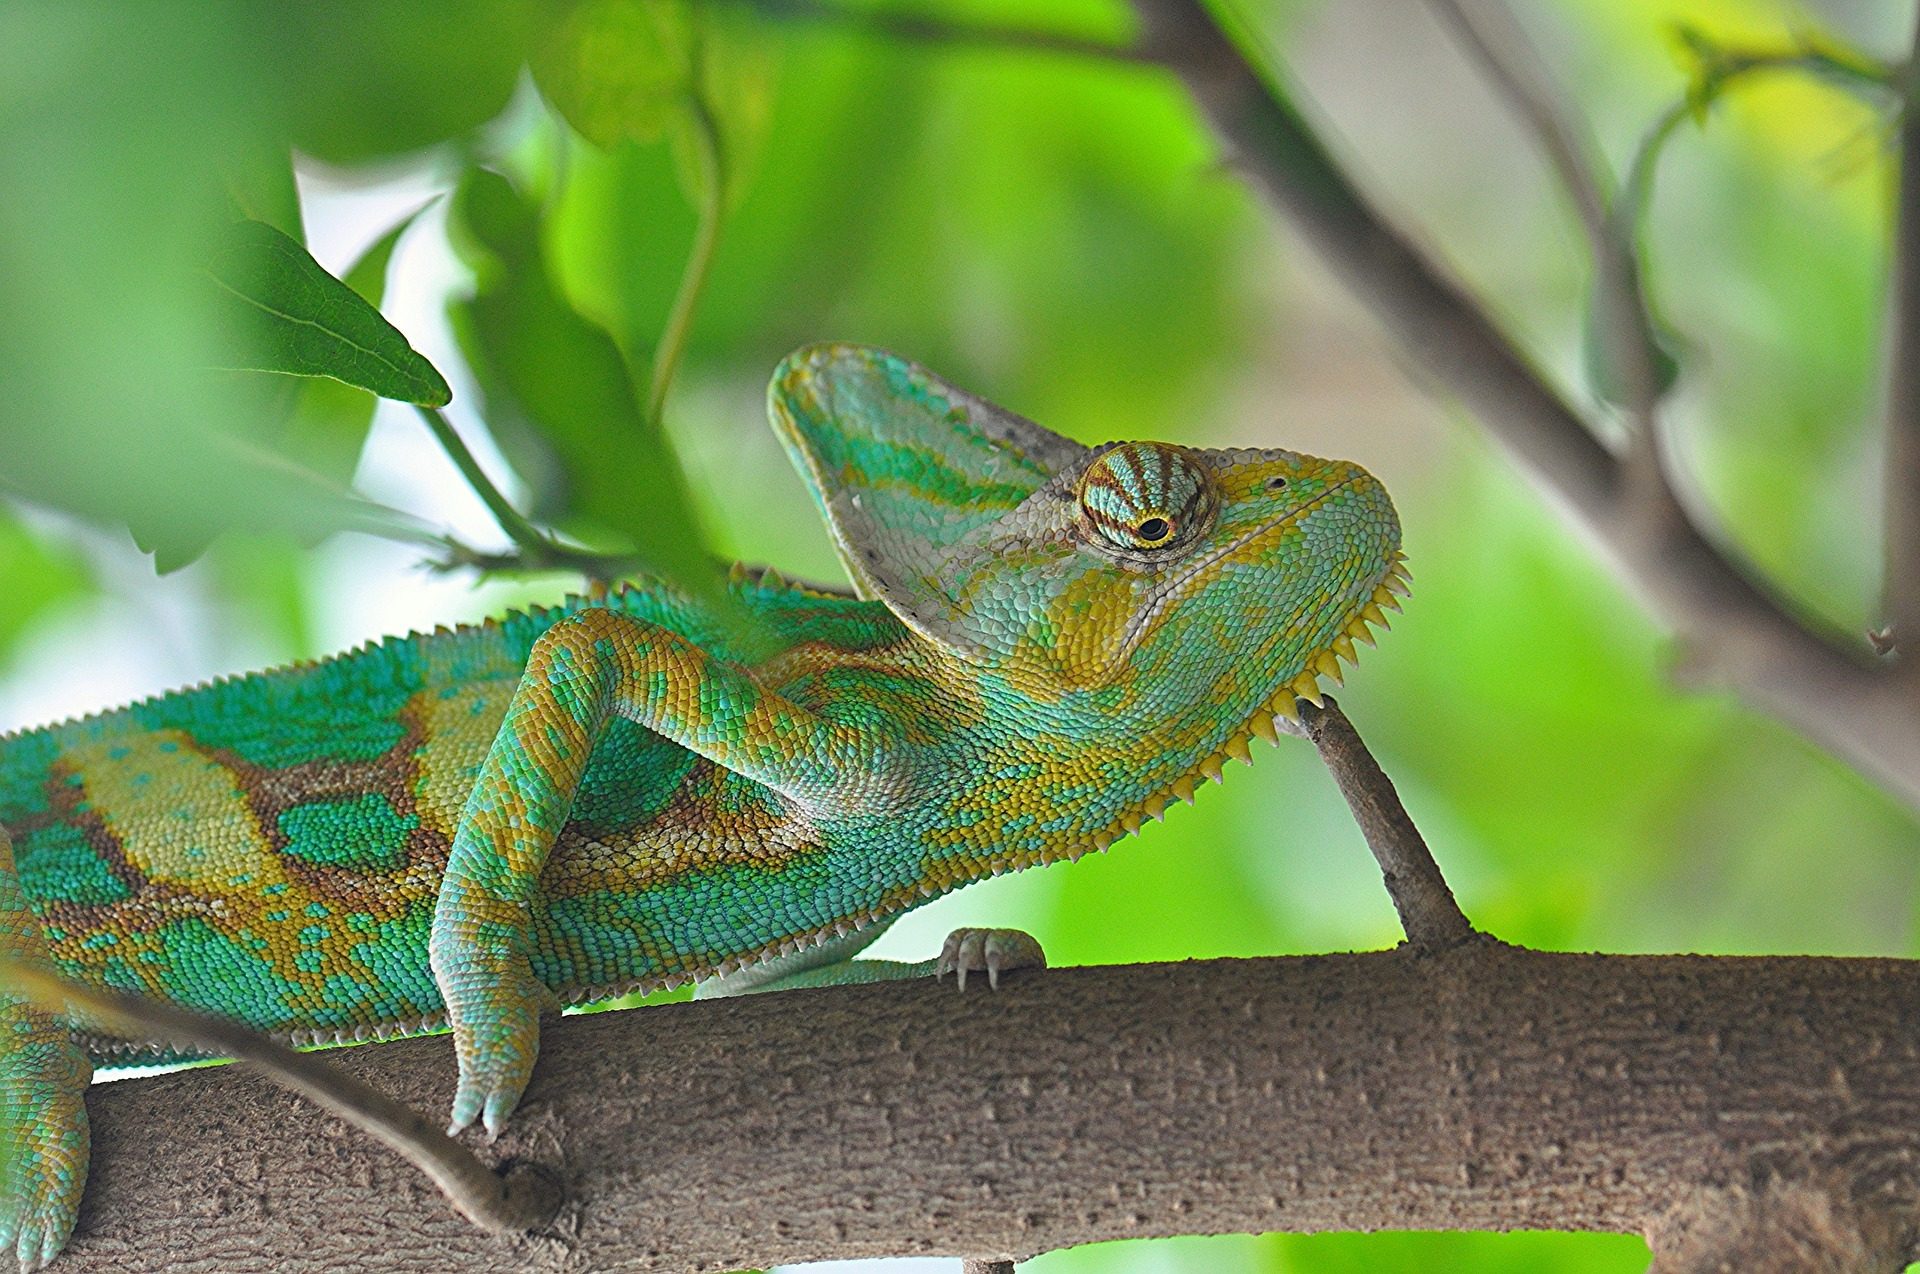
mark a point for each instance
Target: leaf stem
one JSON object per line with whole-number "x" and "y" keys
{"x": 930, "y": 30}
{"x": 1901, "y": 600}
{"x": 552, "y": 556}
{"x": 706, "y": 238}
{"x": 511, "y": 522}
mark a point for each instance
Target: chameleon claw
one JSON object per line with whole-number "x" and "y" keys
{"x": 989, "y": 951}
{"x": 494, "y": 1117}
{"x": 466, "y": 1109}
{"x": 35, "y": 1248}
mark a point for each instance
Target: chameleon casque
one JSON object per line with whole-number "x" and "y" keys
{"x": 1048, "y": 642}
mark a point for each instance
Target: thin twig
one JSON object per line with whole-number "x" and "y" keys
{"x": 916, "y": 29}
{"x": 973, "y": 1266}
{"x": 1489, "y": 32}
{"x": 1420, "y": 894}
{"x": 553, "y": 556}
{"x": 1740, "y": 634}
{"x": 1902, "y": 586}
{"x": 523, "y": 1201}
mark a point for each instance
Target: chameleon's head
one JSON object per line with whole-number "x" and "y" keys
{"x": 1217, "y": 578}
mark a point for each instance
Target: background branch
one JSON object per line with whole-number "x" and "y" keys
{"x": 1736, "y": 634}
{"x": 1903, "y": 390}
{"x": 1477, "y": 1087}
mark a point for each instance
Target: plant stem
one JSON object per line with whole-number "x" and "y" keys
{"x": 1902, "y": 568}
{"x": 926, "y": 29}
{"x": 706, "y": 237}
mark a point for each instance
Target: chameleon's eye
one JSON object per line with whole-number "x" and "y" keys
{"x": 1142, "y": 495}
{"x": 1154, "y": 531}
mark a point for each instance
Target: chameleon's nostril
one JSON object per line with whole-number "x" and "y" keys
{"x": 1276, "y": 484}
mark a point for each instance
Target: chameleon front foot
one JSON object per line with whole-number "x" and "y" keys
{"x": 989, "y": 951}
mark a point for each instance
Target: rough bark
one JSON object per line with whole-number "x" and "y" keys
{"x": 1477, "y": 1087}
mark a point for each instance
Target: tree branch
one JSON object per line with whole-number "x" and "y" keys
{"x": 1428, "y": 912}
{"x": 1903, "y": 390}
{"x": 1488, "y": 31}
{"x": 1736, "y": 634}
{"x": 1476, "y": 1087}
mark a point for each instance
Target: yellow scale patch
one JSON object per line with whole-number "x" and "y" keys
{"x": 458, "y": 728}
{"x": 180, "y": 816}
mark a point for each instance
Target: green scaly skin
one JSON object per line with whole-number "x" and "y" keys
{"x": 1049, "y": 643}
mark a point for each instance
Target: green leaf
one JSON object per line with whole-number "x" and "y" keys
{"x": 328, "y": 425}
{"x": 288, "y": 315}
{"x": 736, "y": 69}
{"x": 362, "y": 79}
{"x": 546, "y": 370}
{"x": 617, "y": 70}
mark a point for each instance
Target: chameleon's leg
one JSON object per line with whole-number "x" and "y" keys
{"x": 583, "y": 669}
{"x": 43, "y": 1111}
{"x": 989, "y": 951}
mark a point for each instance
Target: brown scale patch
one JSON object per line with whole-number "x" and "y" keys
{"x": 691, "y": 834}
{"x": 273, "y": 792}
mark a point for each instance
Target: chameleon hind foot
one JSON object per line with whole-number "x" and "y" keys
{"x": 989, "y": 951}
{"x": 496, "y": 1036}
{"x": 43, "y": 1148}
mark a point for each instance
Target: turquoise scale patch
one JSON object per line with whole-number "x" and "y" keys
{"x": 295, "y": 715}
{"x": 360, "y": 833}
{"x": 25, "y": 763}
{"x": 57, "y": 862}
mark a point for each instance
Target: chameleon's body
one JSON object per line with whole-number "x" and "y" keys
{"x": 621, "y": 794}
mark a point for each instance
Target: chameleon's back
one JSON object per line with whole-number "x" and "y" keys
{"x": 270, "y": 847}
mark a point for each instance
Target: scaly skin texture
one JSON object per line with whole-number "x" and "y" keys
{"x": 1049, "y": 643}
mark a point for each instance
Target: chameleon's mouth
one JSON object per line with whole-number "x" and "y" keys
{"x": 1266, "y": 528}
{"x": 1168, "y": 592}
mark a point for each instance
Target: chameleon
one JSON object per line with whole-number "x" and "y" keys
{"x": 1045, "y": 644}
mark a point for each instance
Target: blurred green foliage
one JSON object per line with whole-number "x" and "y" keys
{"x": 674, "y": 196}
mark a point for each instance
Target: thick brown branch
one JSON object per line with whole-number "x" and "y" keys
{"x": 1476, "y": 1087}
{"x": 1737, "y": 634}
{"x": 1903, "y": 391}
{"x": 1428, "y": 912}
{"x": 1779, "y": 1227}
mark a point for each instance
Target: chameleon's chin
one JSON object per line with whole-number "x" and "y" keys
{"x": 1393, "y": 583}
